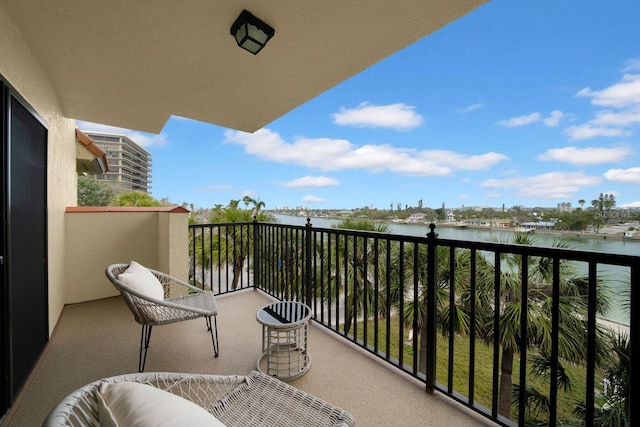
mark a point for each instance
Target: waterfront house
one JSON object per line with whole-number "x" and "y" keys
{"x": 416, "y": 218}
{"x": 477, "y": 222}
{"x": 451, "y": 218}
{"x": 501, "y": 223}
{"x": 538, "y": 225}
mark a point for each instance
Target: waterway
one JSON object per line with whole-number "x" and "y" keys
{"x": 616, "y": 277}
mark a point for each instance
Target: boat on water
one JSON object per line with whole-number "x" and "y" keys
{"x": 524, "y": 230}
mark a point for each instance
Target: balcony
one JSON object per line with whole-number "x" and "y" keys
{"x": 363, "y": 288}
{"x": 100, "y": 339}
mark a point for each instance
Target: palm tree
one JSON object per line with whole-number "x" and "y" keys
{"x": 573, "y": 302}
{"x": 233, "y": 243}
{"x": 616, "y": 408}
{"x": 358, "y": 274}
{"x": 257, "y": 204}
{"x": 458, "y": 277}
{"x": 282, "y": 260}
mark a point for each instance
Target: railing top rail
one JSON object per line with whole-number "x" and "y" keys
{"x": 219, "y": 224}
{"x": 350, "y": 232}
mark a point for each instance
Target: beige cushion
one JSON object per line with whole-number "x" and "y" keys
{"x": 141, "y": 405}
{"x": 141, "y": 280}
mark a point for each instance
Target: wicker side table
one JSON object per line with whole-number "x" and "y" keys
{"x": 285, "y": 327}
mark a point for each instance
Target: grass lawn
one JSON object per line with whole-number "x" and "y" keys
{"x": 567, "y": 401}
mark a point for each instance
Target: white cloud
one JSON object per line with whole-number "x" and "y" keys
{"x": 586, "y": 131}
{"x": 521, "y": 120}
{"x": 622, "y": 100}
{"x": 622, "y": 118}
{"x": 141, "y": 138}
{"x": 585, "y": 156}
{"x": 633, "y": 66}
{"x": 463, "y": 161}
{"x": 631, "y": 175}
{"x": 339, "y": 154}
{"x": 620, "y": 95}
{"x": 630, "y": 205}
{"x": 554, "y": 119}
{"x": 394, "y": 116}
{"x": 313, "y": 199}
{"x": 312, "y": 181}
{"x": 553, "y": 185}
{"x": 470, "y": 108}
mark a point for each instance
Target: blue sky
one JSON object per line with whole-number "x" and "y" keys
{"x": 518, "y": 103}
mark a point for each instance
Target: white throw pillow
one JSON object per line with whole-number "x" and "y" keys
{"x": 135, "y": 404}
{"x": 141, "y": 280}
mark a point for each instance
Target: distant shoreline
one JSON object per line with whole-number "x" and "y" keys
{"x": 608, "y": 233}
{"x": 602, "y": 235}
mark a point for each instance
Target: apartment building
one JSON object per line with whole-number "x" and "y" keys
{"x": 129, "y": 163}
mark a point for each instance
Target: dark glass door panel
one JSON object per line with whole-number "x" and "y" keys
{"x": 26, "y": 261}
{"x": 4, "y": 320}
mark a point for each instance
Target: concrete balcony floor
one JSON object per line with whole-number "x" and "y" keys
{"x": 100, "y": 339}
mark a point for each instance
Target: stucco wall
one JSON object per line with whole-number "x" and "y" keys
{"x": 97, "y": 237}
{"x": 20, "y": 69}
{"x": 174, "y": 256}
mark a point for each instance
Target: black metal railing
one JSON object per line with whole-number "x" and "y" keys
{"x": 512, "y": 331}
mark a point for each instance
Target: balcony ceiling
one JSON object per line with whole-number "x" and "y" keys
{"x": 133, "y": 64}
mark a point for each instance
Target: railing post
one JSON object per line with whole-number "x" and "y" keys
{"x": 634, "y": 347}
{"x": 307, "y": 263}
{"x": 256, "y": 252}
{"x": 432, "y": 274}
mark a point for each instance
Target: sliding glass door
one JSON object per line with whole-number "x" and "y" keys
{"x": 24, "y": 243}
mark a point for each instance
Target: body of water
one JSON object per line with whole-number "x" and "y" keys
{"x": 616, "y": 277}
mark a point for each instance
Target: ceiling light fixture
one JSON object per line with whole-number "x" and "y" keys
{"x": 251, "y": 33}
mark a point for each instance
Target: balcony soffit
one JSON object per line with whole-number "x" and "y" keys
{"x": 133, "y": 64}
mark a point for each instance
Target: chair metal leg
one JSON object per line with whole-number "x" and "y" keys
{"x": 145, "y": 337}
{"x": 216, "y": 345}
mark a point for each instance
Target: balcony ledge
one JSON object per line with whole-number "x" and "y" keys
{"x": 87, "y": 209}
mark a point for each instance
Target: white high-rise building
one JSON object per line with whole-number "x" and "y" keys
{"x": 129, "y": 163}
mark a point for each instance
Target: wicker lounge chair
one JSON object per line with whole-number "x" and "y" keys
{"x": 253, "y": 400}
{"x": 181, "y": 302}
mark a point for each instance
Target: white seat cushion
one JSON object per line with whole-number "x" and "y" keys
{"x": 141, "y": 280}
{"x": 141, "y": 405}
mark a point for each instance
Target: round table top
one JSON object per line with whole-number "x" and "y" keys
{"x": 284, "y": 314}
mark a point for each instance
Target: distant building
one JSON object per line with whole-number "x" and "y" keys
{"x": 501, "y": 223}
{"x": 129, "y": 163}
{"x": 541, "y": 225}
{"x": 477, "y": 222}
{"x": 450, "y": 216}
{"x": 416, "y": 218}
{"x": 564, "y": 207}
